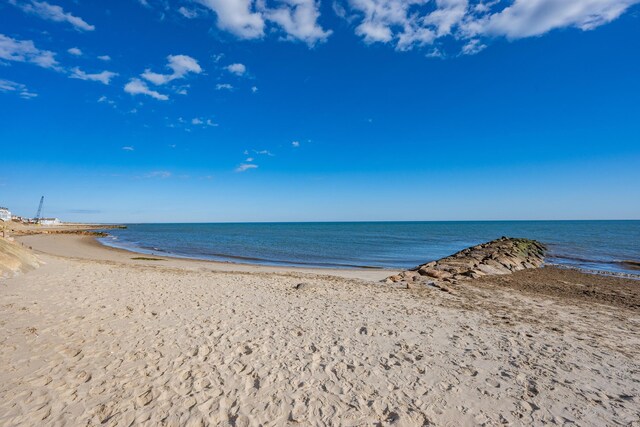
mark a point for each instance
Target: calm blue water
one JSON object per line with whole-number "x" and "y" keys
{"x": 596, "y": 245}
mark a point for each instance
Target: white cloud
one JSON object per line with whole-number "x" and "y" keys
{"x": 224, "y": 86}
{"x": 409, "y": 24}
{"x": 181, "y": 65}
{"x": 237, "y": 17}
{"x": 299, "y": 20}
{"x": 237, "y": 69}
{"x": 249, "y": 159}
{"x": 188, "y": 13}
{"x": 128, "y": 148}
{"x": 75, "y": 51}
{"x": 14, "y": 87}
{"x": 103, "y": 77}
{"x": 526, "y": 18}
{"x": 53, "y": 13}
{"x": 264, "y": 152}
{"x": 245, "y": 167}
{"x": 104, "y": 100}
{"x": 435, "y": 53}
{"x": 104, "y": 58}
{"x": 248, "y": 19}
{"x": 28, "y": 95}
{"x": 472, "y": 47}
{"x": 197, "y": 121}
{"x": 254, "y": 89}
{"x": 26, "y": 51}
{"x": 295, "y": 144}
{"x": 138, "y": 87}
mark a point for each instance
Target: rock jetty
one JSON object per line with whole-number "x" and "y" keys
{"x": 501, "y": 256}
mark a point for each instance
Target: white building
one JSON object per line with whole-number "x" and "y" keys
{"x": 5, "y": 214}
{"x": 49, "y": 221}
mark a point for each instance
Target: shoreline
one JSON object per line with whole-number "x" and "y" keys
{"x": 568, "y": 284}
{"x": 631, "y": 269}
{"x": 241, "y": 260}
{"x": 99, "y": 335}
{"x": 92, "y": 231}
{"x": 77, "y": 246}
{"x": 285, "y": 264}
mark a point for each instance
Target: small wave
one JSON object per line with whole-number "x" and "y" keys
{"x": 634, "y": 265}
{"x": 580, "y": 259}
{"x": 221, "y": 257}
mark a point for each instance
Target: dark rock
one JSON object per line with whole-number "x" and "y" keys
{"x": 501, "y": 256}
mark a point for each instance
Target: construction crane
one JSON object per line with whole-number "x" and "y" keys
{"x": 39, "y": 210}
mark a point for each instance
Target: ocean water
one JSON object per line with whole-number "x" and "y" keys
{"x": 593, "y": 245}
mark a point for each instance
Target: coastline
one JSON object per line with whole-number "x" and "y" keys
{"x": 98, "y": 335}
{"x": 231, "y": 259}
{"x": 630, "y": 274}
{"x": 609, "y": 247}
{"x": 366, "y": 273}
{"x": 88, "y": 247}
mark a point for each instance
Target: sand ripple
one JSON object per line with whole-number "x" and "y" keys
{"x": 88, "y": 343}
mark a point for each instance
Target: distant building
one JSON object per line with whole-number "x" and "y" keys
{"x": 49, "y": 221}
{"x": 5, "y": 214}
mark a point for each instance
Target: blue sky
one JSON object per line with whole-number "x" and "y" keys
{"x": 302, "y": 110}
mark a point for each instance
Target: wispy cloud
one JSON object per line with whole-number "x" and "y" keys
{"x": 245, "y": 167}
{"x": 138, "y": 87}
{"x": 158, "y": 174}
{"x": 26, "y": 51}
{"x": 264, "y": 153}
{"x": 472, "y": 47}
{"x": 295, "y": 144}
{"x": 224, "y": 86}
{"x": 75, "y": 51}
{"x": 103, "y": 77}
{"x": 52, "y": 13}
{"x": 19, "y": 88}
{"x": 188, "y": 13}
{"x": 104, "y": 58}
{"x": 128, "y": 148}
{"x": 104, "y": 100}
{"x": 254, "y": 89}
{"x": 181, "y": 65}
{"x": 197, "y": 121}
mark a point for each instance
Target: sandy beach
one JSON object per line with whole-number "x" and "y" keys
{"x": 98, "y": 336}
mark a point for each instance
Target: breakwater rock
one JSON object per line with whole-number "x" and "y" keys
{"x": 500, "y": 256}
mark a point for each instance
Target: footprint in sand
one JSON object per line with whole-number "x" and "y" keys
{"x": 469, "y": 371}
{"x": 83, "y": 376}
{"x": 145, "y": 398}
{"x": 492, "y": 382}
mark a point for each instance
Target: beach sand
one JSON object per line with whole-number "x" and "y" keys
{"x": 95, "y": 337}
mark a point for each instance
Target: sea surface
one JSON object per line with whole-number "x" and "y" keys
{"x": 591, "y": 245}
